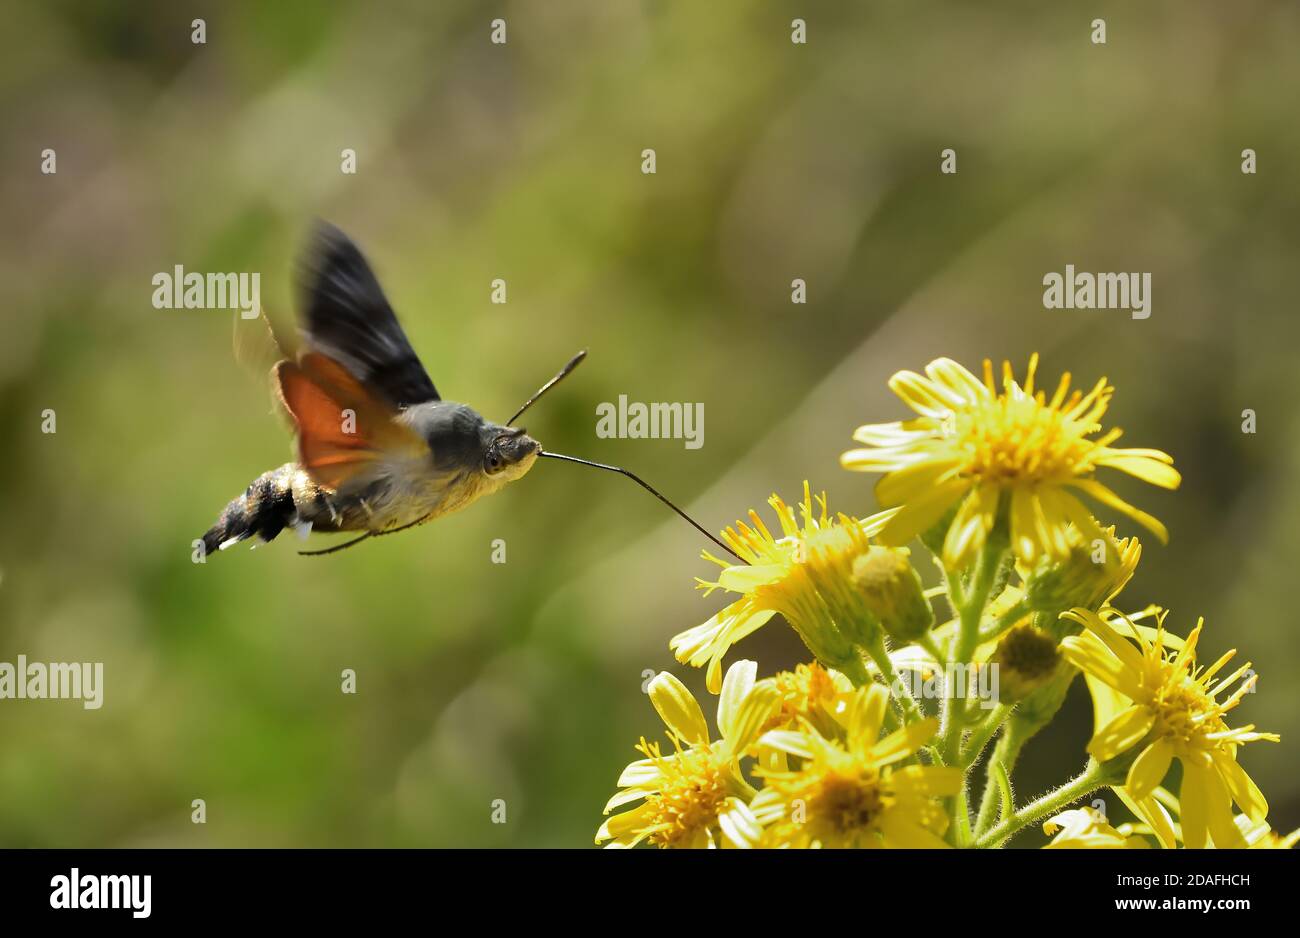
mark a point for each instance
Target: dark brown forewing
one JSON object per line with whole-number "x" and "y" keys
{"x": 346, "y": 317}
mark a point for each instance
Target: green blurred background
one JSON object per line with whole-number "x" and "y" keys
{"x": 522, "y": 681}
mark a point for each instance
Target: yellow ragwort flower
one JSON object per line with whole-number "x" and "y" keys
{"x": 804, "y": 575}
{"x": 1016, "y": 452}
{"x": 694, "y": 796}
{"x": 1259, "y": 836}
{"x": 851, "y": 792}
{"x": 812, "y": 693}
{"x": 1174, "y": 712}
{"x": 1086, "y": 829}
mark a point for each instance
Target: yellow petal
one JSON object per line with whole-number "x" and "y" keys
{"x": 624, "y": 797}
{"x": 1243, "y": 789}
{"x": 788, "y": 741}
{"x": 1024, "y": 525}
{"x": 1155, "y": 815}
{"x": 1122, "y": 649}
{"x": 1120, "y": 734}
{"x": 866, "y": 714}
{"x": 1094, "y": 658}
{"x": 901, "y": 832}
{"x": 926, "y": 781}
{"x": 735, "y": 686}
{"x": 905, "y": 485}
{"x": 923, "y": 513}
{"x": 954, "y": 376}
{"x": 1149, "y": 768}
{"x": 680, "y": 711}
{"x": 754, "y": 711}
{"x": 746, "y": 579}
{"x": 1193, "y": 799}
{"x": 974, "y": 519}
{"x": 903, "y": 742}
{"x": 1148, "y": 470}
{"x": 1218, "y": 813}
{"x": 640, "y": 774}
{"x": 923, "y": 395}
{"x": 1110, "y": 499}
{"x": 1106, "y": 701}
{"x": 739, "y": 825}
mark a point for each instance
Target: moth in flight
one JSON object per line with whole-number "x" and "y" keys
{"x": 379, "y": 450}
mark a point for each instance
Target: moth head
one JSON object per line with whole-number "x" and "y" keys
{"x": 510, "y": 453}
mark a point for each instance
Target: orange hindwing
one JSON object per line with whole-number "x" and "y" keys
{"x": 342, "y": 427}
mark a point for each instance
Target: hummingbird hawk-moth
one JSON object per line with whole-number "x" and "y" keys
{"x": 379, "y": 450}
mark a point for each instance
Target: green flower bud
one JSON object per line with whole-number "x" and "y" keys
{"x": 808, "y": 612}
{"x": 891, "y": 589}
{"x": 1026, "y": 658}
{"x": 1093, "y": 573}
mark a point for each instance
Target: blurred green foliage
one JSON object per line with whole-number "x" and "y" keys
{"x": 522, "y": 681}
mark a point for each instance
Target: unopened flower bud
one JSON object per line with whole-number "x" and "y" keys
{"x": 1026, "y": 658}
{"x": 891, "y": 589}
{"x": 1092, "y": 574}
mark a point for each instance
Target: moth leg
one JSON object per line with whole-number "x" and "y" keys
{"x": 335, "y": 549}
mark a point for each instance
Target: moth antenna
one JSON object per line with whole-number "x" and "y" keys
{"x": 645, "y": 485}
{"x": 574, "y": 362}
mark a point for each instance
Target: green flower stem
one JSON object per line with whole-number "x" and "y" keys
{"x": 962, "y": 820}
{"x": 1003, "y": 622}
{"x": 927, "y": 642}
{"x": 970, "y": 609}
{"x": 983, "y": 733}
{"x": 1006, "y": 753}
{"x": 876, "y": 649}
{"x": 966, "y": 639}
{"x": 855, "y": 670}
{"x": 956, "y": 594}
{"x": 1033, "y": 713}
{"x": 1092, "y": 778}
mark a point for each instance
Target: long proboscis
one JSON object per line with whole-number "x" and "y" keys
{"x": 574, "y": 362}
{"x": 649, "y": 488}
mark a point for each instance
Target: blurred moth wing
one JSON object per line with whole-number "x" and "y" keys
{"x": 260, "y": 345}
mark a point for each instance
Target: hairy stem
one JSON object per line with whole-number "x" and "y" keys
{"x": 897, "y": 688}
{"x": 1005, "y": 754}
{"x": 983, "y": 733}
{"x": 970, "y": 605}
{"x": 1003, "y": 622}
{"x": 1092, "y": 778}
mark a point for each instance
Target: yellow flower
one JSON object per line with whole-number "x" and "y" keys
{"x": 1173, "y": 711}
{"x": 1017, "y": 452}
{"x": 805, "y": 575}
{"x": 1259, "y": 836}
{"x": 852, "y": 792}
{"x": 1084, "y": 828}
{"x": 812, "y": 693}
{"x": 694, "y": 796}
